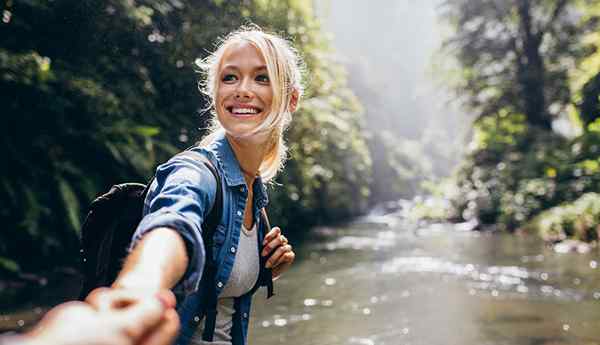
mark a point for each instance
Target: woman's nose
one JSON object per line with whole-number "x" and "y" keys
{"x": 243, "y": 90}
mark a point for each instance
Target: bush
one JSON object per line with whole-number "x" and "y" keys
{"x": 579, "y": 220}
{"x": 514, "y": 172}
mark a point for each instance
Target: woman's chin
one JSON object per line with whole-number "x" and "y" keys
{"x": 247, "y": 133}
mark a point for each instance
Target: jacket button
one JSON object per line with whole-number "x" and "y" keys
{"x": 239, "y": 213}
{"x": 220, "y": 284}
{"x": 245, "y": 315}
{"x": 233, "y": 249}
{"x": 196, "y": 319}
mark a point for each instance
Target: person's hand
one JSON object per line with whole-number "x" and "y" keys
{"x": 107, "y": 300}
{"x": 282, "y": 255}
{"x": 148, "y": 322}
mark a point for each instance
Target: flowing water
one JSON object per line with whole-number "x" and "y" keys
{"x": 382, "y": 280}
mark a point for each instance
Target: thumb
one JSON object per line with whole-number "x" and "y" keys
{"x": 139, "y": 318}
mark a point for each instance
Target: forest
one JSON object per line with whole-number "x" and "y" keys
{"x": 99, "y": 93}
{"x": 96, "y": 93}
{"x": 529, "y": 72}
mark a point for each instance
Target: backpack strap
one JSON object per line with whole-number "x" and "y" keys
{"x": 267, "y": 274}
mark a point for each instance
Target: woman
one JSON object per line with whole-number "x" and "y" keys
{"x": 253, "y": 80}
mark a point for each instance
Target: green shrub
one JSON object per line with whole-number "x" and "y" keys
{"x": 578, "y": 220}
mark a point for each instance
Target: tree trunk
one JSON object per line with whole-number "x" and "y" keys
{"x": 589, "y": 108}
{"x": 531, "y": 70}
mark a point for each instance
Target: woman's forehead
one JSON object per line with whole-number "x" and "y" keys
{"x": 241, "y": 54}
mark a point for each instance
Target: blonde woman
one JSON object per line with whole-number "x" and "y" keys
{"x": 253, "y": 80}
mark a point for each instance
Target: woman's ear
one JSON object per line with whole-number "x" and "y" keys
{"x": 294, "y": 101}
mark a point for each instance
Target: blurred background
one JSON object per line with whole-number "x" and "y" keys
{"x": 444, "y": 170}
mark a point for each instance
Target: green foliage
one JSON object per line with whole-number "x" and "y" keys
{"x": 516, "y": 55}
{"x": 431, "y": 209}
{"x": 99, "y": 92}
{"x": 517, "y": 172}
{"x": 399, "y": 165}
{"x": 541, "y": 61}
{"x": 578, "y": 220}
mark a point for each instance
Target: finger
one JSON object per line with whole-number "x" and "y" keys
{"x": 167, "y": 298}
{"x": 94, "y": 296}
{"x": 68, "y": 312}
{"x": 110, "y": 299}
{"x": 274, "y": 243}
{"x": 271, "y": 235}
{"x": 275, "y": 259}
{"x": 140, "y": 318}
{"x": 165, "y": 332}
{"x": 288, "y": 259}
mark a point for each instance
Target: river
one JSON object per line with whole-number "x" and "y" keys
{"x": 384, "y": 280}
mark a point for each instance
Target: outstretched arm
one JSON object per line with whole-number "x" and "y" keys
{"x": 156, "y": 263}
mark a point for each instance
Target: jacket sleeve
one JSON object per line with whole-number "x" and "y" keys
{"x": 180, "y": 198}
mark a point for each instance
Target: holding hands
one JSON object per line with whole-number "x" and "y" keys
{"x": 282, "y": 255}
{"x": 128, "y": 321}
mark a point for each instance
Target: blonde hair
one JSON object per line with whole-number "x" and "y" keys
{"x": 284, "y": 68}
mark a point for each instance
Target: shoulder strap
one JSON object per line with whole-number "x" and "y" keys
{"x": 266, "y": 275}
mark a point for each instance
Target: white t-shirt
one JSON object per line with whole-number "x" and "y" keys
{"x": 244, "y": 275}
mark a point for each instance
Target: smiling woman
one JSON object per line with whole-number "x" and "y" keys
{"x": 252, "y": 63}
{"x": 253, "y": 80}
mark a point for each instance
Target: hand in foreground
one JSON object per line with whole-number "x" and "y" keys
{"x": 115, "y": 300}
{"x": 149, "y": 322}
{"x": 283, "y": 256}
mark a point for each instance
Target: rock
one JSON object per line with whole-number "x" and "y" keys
{"x": 572, "y": 246}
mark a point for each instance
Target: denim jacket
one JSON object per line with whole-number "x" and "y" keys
{"x": 180, "y": 198}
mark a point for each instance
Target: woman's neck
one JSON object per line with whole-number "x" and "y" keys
{"x": 249, "y": 153}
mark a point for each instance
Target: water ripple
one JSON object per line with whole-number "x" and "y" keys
{"x": 494, "y": 279}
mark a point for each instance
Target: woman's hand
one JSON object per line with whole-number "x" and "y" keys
{"x": 283, "y": 256}
{"x": 115, "y": 301}
{"x": 152, "y": 321}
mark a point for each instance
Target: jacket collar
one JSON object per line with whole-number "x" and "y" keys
{"x": 227, "y": 161}
{"x": 231, "y": 169}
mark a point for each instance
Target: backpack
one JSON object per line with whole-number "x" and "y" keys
{"x": 111, "y": 222}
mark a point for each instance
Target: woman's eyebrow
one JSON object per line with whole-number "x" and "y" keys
{"x": 236, "y": 68}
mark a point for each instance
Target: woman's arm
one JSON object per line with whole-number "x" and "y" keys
{"x": 167, "y": 248}
{"x": 157, "y": 262}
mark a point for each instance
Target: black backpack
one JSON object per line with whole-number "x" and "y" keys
{"x": 111, "y": 222}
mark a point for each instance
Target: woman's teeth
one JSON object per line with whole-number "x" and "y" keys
{"x": 244, "y": 111}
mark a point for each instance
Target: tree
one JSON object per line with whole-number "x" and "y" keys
{"x": 585, "y": 79}
{"x": 514, "y": 55}
{"x": 96, "y": 93}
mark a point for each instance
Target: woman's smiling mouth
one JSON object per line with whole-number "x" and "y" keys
{"x": 243, "y": 111}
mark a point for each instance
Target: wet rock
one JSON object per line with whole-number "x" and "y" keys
{"x": 572, "y": 246}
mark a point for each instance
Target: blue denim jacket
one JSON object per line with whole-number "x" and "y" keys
{"x": 180, "y": 198}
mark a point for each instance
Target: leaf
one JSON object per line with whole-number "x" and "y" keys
{"x": 9, "y": 265}
{"x": 146, "y": 131}
{"x": 71, "y": 204}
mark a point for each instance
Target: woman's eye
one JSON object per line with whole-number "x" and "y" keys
{"x": 229, "y": 77}
{"x": 263, "y": 78}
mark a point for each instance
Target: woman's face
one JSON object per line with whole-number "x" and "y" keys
{"x": 244, "y": 93}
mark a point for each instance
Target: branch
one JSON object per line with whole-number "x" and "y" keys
{"x": 560, "y": 5}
